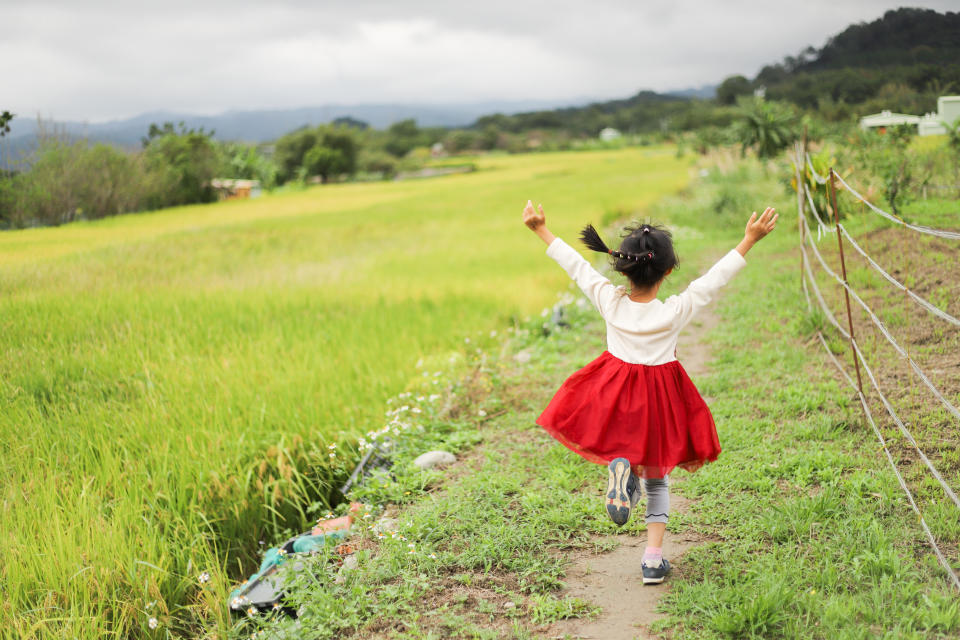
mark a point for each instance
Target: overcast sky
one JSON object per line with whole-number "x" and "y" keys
{"x": 94, "y": 60}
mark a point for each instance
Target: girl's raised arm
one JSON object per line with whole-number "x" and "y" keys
{"x": 599, "y": 290}
{"x": 704, "y": 289}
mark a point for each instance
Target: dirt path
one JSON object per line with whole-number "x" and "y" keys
{"x": 612, "y": 580}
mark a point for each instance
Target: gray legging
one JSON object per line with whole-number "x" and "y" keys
{"x": 658, "y": 498}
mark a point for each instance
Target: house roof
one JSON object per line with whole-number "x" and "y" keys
{"x": 888, "y": 119}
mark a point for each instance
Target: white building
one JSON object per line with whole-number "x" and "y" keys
{"x": 932, "y": 124}
{"x": 886, "y": 119}
{"x": 609, "y": 134}
{"x": 948, "y": 108}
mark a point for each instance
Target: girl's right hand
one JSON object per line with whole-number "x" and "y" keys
{"x": 757, "y": 228}
{"x": 533, "y": 218}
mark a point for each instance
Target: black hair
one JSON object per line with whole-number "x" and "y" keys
{"x": 645, "y": 254}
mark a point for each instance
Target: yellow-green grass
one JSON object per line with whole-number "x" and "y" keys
{"x": 169, "y": 381}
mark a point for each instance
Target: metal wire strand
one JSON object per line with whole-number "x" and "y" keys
{"x": 813, "y": 172}
{"x": 940, "y": 313}
{"x": 940, "y": 233}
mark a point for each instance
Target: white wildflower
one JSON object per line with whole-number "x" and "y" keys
{"x": 153, "y": 623}
{"x": 204, "y": 577}
{"x": 482, "y": 413}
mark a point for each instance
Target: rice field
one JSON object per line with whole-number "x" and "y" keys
{"x": 170, "y": 381}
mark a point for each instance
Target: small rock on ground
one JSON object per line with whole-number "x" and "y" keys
{"x": 432, "y": 459}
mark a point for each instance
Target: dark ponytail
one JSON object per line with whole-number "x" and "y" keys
{"x": 591, "y": 238}
{"x": 645, "y": 254}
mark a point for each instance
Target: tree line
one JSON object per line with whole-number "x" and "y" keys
{"x": 902, "y": 62}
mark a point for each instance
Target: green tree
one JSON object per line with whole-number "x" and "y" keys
{"x": 732, "y": 88}
{"x": 185, "y": 160}
{"x": 402, "y": 137}
{"x": 342, "y": 141}
{"x": 290, "y": 150}
{"x": 5, "y": 119}
{"x": 323, "y": 161}
{"x": 290, "y": 153}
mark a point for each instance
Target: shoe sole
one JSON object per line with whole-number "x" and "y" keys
{"x": 618, "y": 501}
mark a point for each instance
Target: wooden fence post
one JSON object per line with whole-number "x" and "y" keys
{"x": 801, "y": 172}
{"x": 843, "y": 271}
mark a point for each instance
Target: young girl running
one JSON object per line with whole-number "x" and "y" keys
{"x": 634, "y": 408}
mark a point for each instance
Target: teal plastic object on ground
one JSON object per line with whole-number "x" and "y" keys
{"x": 263, "y": 589}
{"x": 306, "y": 544}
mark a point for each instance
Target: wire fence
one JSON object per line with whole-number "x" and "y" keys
{"x": 802, "y": 162}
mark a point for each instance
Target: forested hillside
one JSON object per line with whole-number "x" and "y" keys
{"x": 901, "y": 61}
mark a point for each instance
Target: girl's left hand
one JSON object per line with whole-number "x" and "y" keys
{"x": 533, "y": 218}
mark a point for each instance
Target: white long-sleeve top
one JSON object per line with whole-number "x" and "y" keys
{"x": 644, "y": 332}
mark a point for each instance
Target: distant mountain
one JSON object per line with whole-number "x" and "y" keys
{"x": 706, "y": 92}
{"x": 264, "y": 125}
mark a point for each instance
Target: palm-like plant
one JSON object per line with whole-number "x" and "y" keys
{"x": 766, "y": 126}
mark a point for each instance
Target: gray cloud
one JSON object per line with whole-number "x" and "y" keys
{"x": 97, "y": 60}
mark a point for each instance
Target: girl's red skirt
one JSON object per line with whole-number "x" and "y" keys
{"x": 651, "y": 415}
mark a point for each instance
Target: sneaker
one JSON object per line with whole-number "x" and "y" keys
{"x": 618, "y": 496}
{"x": 655, "y": 575}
